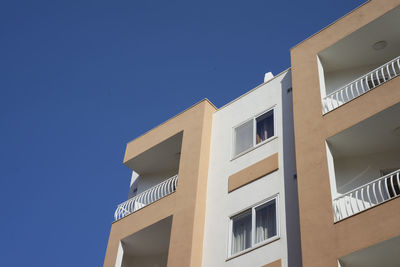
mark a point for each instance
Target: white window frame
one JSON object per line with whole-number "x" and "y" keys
{"x": 255, "y": 145}
{"x": 253, "y": 227}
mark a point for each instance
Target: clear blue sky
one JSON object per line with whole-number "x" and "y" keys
{"x": 79, "y": 79}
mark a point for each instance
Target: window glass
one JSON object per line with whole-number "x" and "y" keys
{"x": 254, "y": 226}
{"x": 265, "y": 221}
{"x": 241, "y": 232}
{"x": 253, "y": 132}
{"x": 243, "y": 137}
{"x": 265, "y": 126}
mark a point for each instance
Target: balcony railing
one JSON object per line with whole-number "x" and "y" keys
{"x": 362, "y": 85}
{"x": 147, "y": 197}
{"x": 367, "y": 196}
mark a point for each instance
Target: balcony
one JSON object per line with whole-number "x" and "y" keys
{"x": 360, "y": 62}
{"x": 147, "y": 197}
{"x": 364, "y": 164}
{"x": 362, "y": 85}
{"x": 367, "y": 196}
{"x": 385, "y": 253}
{"x": 147, "y": 247}
{"x": 154, "y": 175}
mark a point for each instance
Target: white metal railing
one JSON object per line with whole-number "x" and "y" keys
{"x": 145, "y": 198}
{"x": 362, "y": 85}
{"x": 367, "y": 196}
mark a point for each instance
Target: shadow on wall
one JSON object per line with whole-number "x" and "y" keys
{"x": 149, "y": 247}
{"x": 290, "y": 176}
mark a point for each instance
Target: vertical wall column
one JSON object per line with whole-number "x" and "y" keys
{"x": 188, "y": 222}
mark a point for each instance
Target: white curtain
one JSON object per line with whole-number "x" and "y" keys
{"x": 241, "y": 233}
{"x": 265, "y": 222}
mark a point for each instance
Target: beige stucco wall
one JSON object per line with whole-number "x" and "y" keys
{"x": 253, "y": 172}
{"x": 187, "y": 204}
{"x": 277, "y": 263}
{"x": 322, "y": 240}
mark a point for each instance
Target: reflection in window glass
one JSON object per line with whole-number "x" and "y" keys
{"x": 253, "y": 132}
{"x": 244, "y": 137}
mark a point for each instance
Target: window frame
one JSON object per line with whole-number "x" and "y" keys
{"x": 253, "y": 244}
{"x": 255, "y": 145}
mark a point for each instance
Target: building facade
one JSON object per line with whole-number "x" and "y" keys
{"x": 213, "y": 187}
{"x": 162, "y": 223}
{"x": 307, "y": 176}
{"x": 251, "y": 211}
{"x": 346, "y": 102}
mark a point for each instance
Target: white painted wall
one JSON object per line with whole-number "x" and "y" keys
{"x": 352, "y": 172}
{"x": 331, "y": 170}
{"x": 290, "y": 176}
{"x": 321, "y": 75}
{"x": 144, "y": 182}
{"x": 120, "y": 254}
{"x": 336, "y": 79}
{"x": 221, "y": 205}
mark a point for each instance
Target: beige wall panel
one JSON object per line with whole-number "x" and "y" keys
{"x": 322, "y": 240}
{"x": 165, "y": 130}
{"x": 253, "y": 172}
{"x": 277, "y": 263}
{"x": 188, "y": 207}
{"x": 200, "y": 211}
{"x": 188, "y": 223}
{"x": 135, "y": 222}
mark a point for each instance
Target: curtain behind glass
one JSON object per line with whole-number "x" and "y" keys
{"x": 266, "y": 221}
{"x": 241, "y": 232}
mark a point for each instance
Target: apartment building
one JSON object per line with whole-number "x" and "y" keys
{"x": 162, "y": 222}
{"x": 213, "y": 187}
{"x": 252, "y": 210}
{"x": 346, "y": 102}
{"x": 239, "y": 185}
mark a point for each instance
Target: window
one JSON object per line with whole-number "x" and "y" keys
{"x": 254, "y": 226}
{"x": 253, "y": 132}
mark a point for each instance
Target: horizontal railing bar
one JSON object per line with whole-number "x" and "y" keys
{"x": 146, "y": 197}
{"x": 362, "y": 77}
{"x": 147, "y": 190}
{"x": 343, "y": 206}
{"x": 369, "y": 183}
{"x": 361, "y": 85}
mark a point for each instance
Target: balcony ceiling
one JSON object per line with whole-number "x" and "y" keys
{"x": 152, "y": 240}
{"x": 383, "y": 254}
{"x": 373, "y": 135}
{"x": 355, "y": 50}
{"x": 163, "y": 157}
